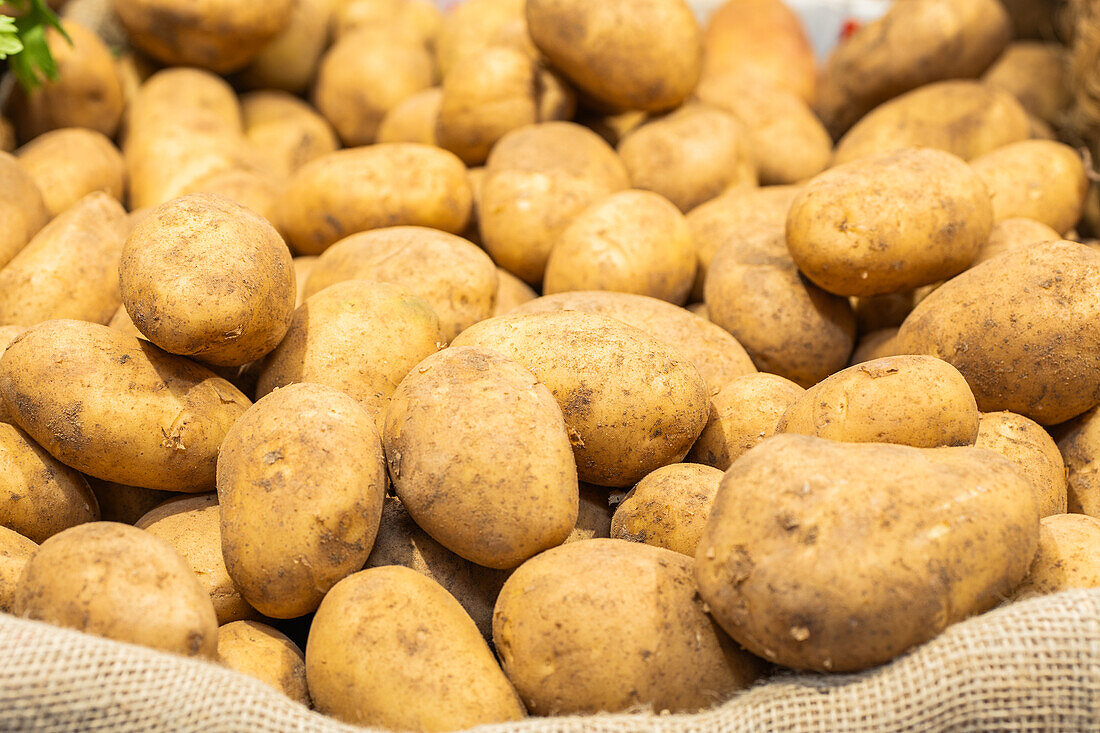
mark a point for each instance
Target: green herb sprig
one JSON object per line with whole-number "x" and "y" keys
{"x": 23, "y": 42}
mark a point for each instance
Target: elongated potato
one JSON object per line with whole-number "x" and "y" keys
{"x": 129, "y": 413}
{"x": 1079, "y": 444}
{"x": 260, "y": 651}
{"x": 1013, "y": 233}
{"x": 15, "y": 552}
{"x": 602, "y": 371}
{"x": 668, "y": 508}
{"x": 1025, "y": 443}
{"x": 70, "y": 268}
{"x": 889, "y": 223}
{"x": 838, "y": 575}
{"x": 22, "y": 208}
{"x": 1040, "y": 180}
{"x": 364, "y": 668}
{"x": 301, "y": 479}
{"x": 1068, "y": 556}
{"x": 289, "y": 60}
{"x": 413, "y": 120}
{"x": 473, "y": 441}
{"x": 355, "y": 190}
{"x": 71, "y": 163}
{"x": 1034, "y": 73}
{"x": 577, "y": 633}
{"x": 285, "y": 132}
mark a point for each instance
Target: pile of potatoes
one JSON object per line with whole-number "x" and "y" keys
{"x": 541, "y": 357}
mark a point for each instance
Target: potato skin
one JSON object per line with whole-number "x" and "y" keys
{"x": 1034, "y": 73}
{"x": 129, "y": 413}
{"x": 362, "y": 667}
{"x": 205, "y": 277}
{"x": 602, "y": 371}
{"x": 472, "y": 26}
{"x": 577, "y": 635}
{"x": 15, "y": 552}
{"x": 1049, "y": 371}
{"x": 260, "y": 651}
{"x": 1068, "y": 556}
{"x": 1030, "y": 447}
{"x": 22, "y": 208}
{"x": 875, "y": 345}
{"x": 412, "y": 120}
{"x": 1014, "y": 233}
{"x": 285, "y": 132}
{"x": 289, "y": 60}
{"x": 511, "y": 293}
{"x": 72, "y": 162}
{"x": 929, "y": 552}
{"x": 1040, "y": 180}
{"x": 126, "y": 504}
{"x": 668, "y": 508}
{"x": 889, "y": 223}
{"x": 1079, "y": 443}
{"x": 593, "y": 514}
{"x": 383, "y": 185}
{"x": 119, "y": 582}
{"x": 301, "y": 479}
{"x": 909, "y": 400}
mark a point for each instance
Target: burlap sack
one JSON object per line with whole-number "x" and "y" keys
{"x": 1030, "y": 666}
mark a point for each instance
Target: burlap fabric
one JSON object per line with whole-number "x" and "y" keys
{"x": 1029, "y": 666}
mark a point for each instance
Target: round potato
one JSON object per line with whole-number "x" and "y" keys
{"x": 260, "y": 651}
{"x": 511, "y": 293}
{"x": 668, "y": 508}
{"x": 390, "y": 648}
{"x": 1013, "y": 233}
{"x": 15, "y": 551}
{"x": 743, "y": 413}
{"x": 1079, "y": 444}
{"x": 1030, "y": 447}
{"x": 22, "y": 208}
{"x": 1040, "y": 180}
{"x": 129, "y": 412}
{"x": 126, "y": 504}
{"x": 1034, "y": 73}
{"x": 301, "y": 479}
{"x": 473, "y": 441}
{"x": 837, "y": 575}
{"x": 413, "y": 120}
{"x": 71, "y": 163}
{"x": 205, "y": 277}
{"x": 289, "y": 60}
{"x": 889, "y": 223}
{"x": 351, "y": 191}
{"x": 1068, "y": 556}
{"x": 630, "y": 242}
{"x": 577, "y": 633}
{"x": 285, "y": 132}
{"x": 631, "y": 404}
{"x": 119, "y": 582}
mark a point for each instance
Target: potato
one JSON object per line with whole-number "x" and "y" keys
{"x": 783, "y": 138}
{"x": 760, "y": 42}
{"x": 788, "y": 325}
{"x": 1079, "y": 444}
{"x": 1048, "y": 371}
{"x": 257, "y": 191}
{"x": 70, "y": 163}
{"x": 1031, "y": 448}
{"x": 126, "y": 504}
{"x": 473, "y": 441}
{"x": 630, "y": 242}
{"x": 689, "y": 156}
{"x": 390, "y": 648}
{"x": 220, "y": 35}
{"x": 401, "y": 541}
{"x": 743, "y": 412}
{"x": 193, "y": 98}
{"x": 7, "y": 135}
{"x": 7, "y": 335}
{"x": 668, "y": 508}
{"x": 910, "y": 400}
{"x": 875, "y": 345}
{"x": 363, "y": 76}
{"x": 192, "y": 526}
{"x": 889, "y": 223}
{"x": 613, "y": 127}
{"x": 417, "y": 20}
{"x": 837, "y": 575}
{"x": 1014, "y": 233}
{"x": 914, "y": 44}
{"x": 285, "y": 131}
{"x": 511, "y": 293}
{"x": 70, "y": 268}
{"x": 965, "y": 118}
{"x": 87, "y": 92}
{"x": 536, "y": 180}
{"x": 1035, "y": 179}
{"x": 301, "y": 479}
{"x": 1068, "y": 556}
{"x": 128, "y": 413}
{"x": 303, "y": 268}
{"x": 413, "y": 120}
{"x": 716, "y": 354}
{"x": 578, "y": 633}
{"x": 260, "y": 651}
{"x": 1034, "y": 73}
{"x": 622, "y": 53}
{"x": 351, "y": 191}
{"x": 456, "y": 278}
{"x": 289, "y": 60}
{"x": 631, "y": 403}
{"x": 208, "y": 278}
{"x": 593, "y": 515}
{"x": 472, "y": 26}
{"x": 876, "y": 312}
{"x": 22, "y": 208}
{"x": 15, "y": 551}
{"x": 357, "y": 336}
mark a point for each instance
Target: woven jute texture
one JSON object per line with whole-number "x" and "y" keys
{"x": 1029, "y": 666}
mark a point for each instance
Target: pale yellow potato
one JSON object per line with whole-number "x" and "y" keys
{"x": 473, "y": 442}
{"x": 1034, "y": 73}
{"x": 413, "y": 120}
{"x": 889, "y": 223}
{"x": 126, "y": 504}
{"x": 70, "y": 163}
{"x": 744, "y": 412}
{"x": 7, "y": 335}
{"x": 70, "y": 268}
{"x": 668, "y": 508}
{"x": 303, "y": 267}
{"x": 1014, "y": 233}
{"x": 360, "y": 337}
{"x": 391, "y": 184}
{"x": 260, "y": 651}
{"x": 1068, "y": 556}
{"x": 471, "y": 26}
{"x": 613, "y": 127}
{"x": 837, "y": 574}
{"x": 699, "y": 309}
{"x": 122, "y": 323}
{"x": 289, "y": 60}
{"x": 511, "y": 293}
{"x": 22, "y": 208}
{"x": 1029, "y": 446}
{"x": 875, "y": 345}
{"x": 390, "y": 648}
{"x": 1079, "y": 444}
{"x": 258, "y": 191}
{"x": 606, "y": 625}
{"x": 630, "y": 242}
{"x": 593, "y": 515}
{"x": 418, "y": 20}
{"x": 1040, "y": 180}
{"x": 128, "y": 413}
{"x": 15, "y": 553}
{"x": 301, "y": 478}
{"x": 557, "y": 100}
{"x": 183, "y": 96}
{"x": 285, "y": 132}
